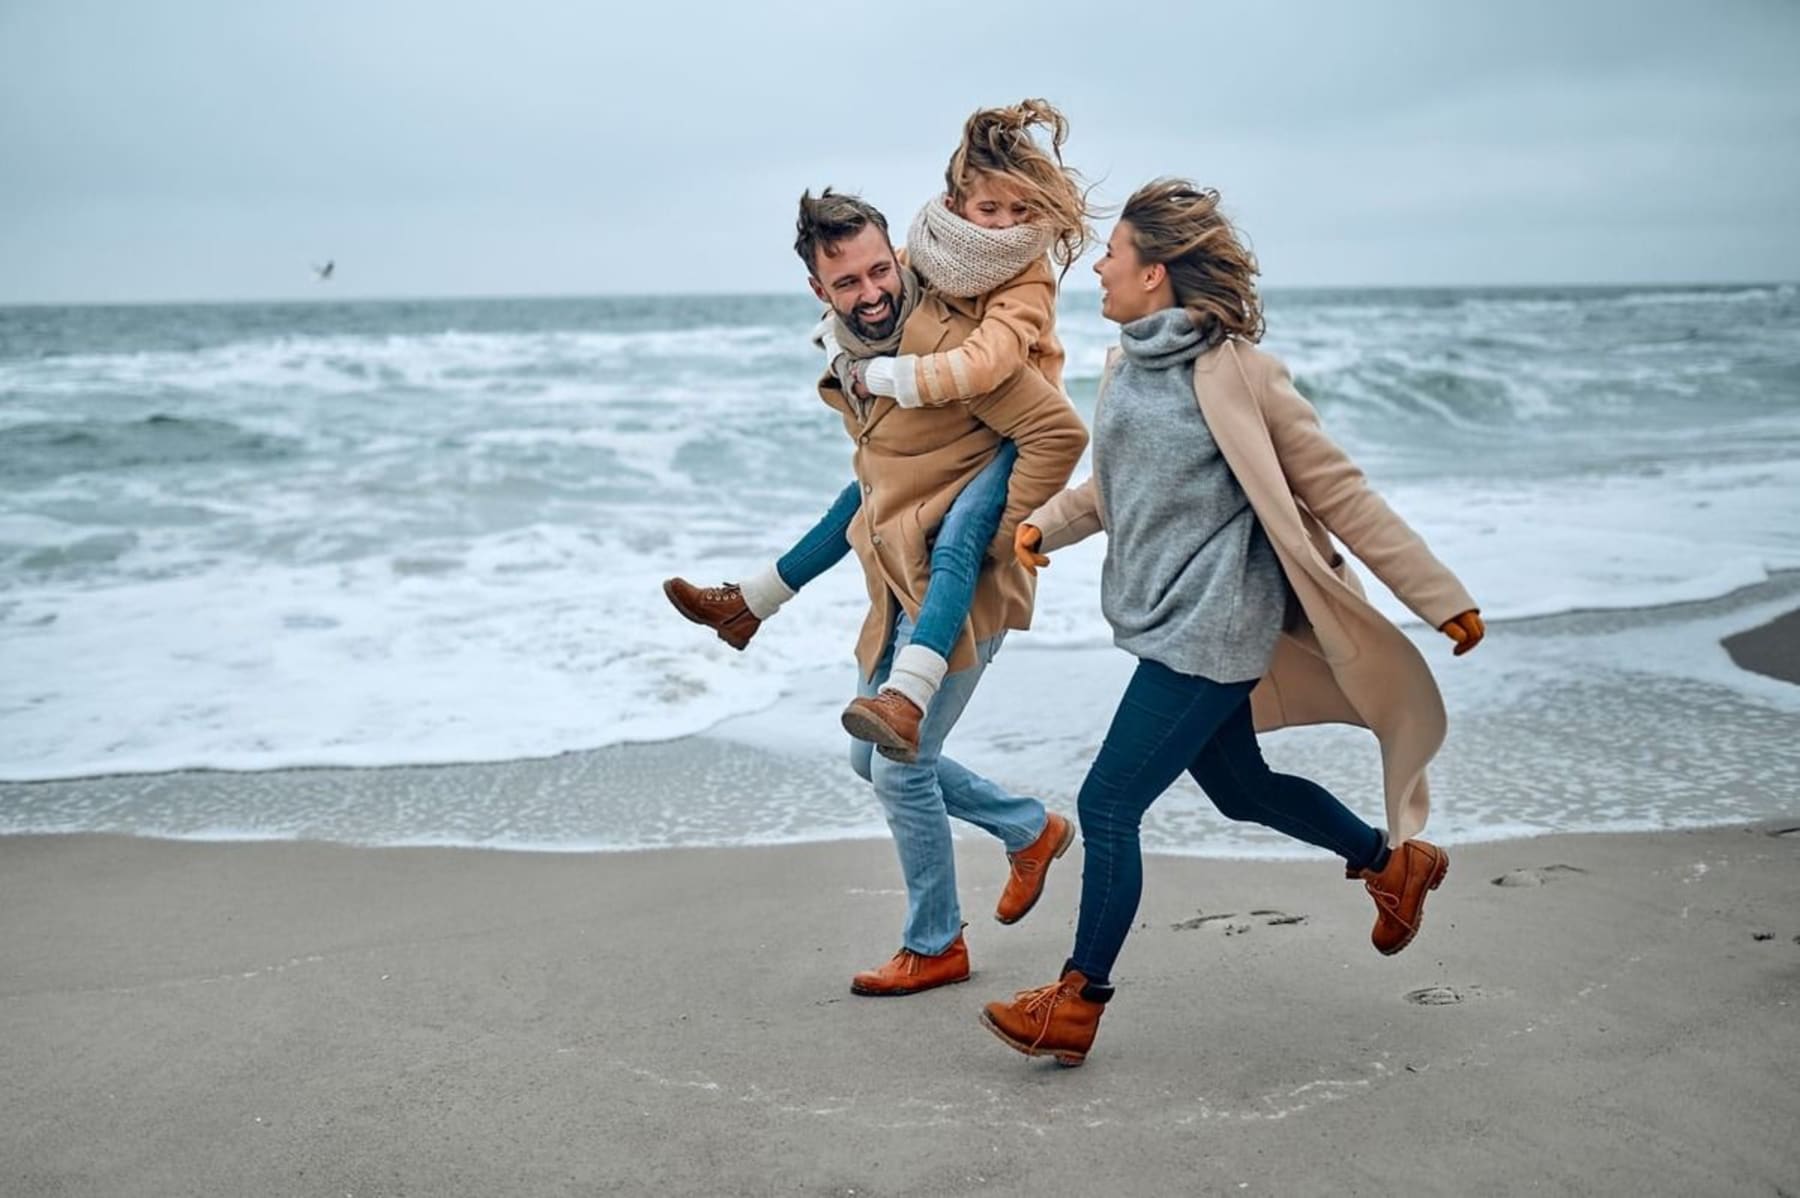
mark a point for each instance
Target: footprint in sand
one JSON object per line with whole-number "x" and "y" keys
{"x": 1236, "y": 925}
{"x": 1536, "y": 877}
{"x": 1450, "y": 996}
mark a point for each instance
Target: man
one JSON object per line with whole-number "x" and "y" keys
{"x": 911, "y": 463}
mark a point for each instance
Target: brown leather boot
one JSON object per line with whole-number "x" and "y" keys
{"x": 1413, "y": 870}
{"x": 721, "y": 608}
{"x": 890, "y": 720}
{"x": 1030, "y": 865}
{"x": 1051, "y": 1021}
{"x": 907, "y": 972}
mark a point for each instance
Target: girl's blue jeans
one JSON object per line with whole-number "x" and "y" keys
{"x": 962, "y": 541}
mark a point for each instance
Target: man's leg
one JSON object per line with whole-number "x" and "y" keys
{"x": 918, "y": 808}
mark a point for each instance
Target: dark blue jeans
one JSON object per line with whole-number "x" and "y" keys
{"x": 1167, "y": 723}
{"x": 956, "y": 555}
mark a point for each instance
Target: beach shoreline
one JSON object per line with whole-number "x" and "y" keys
{"x": 1581, "y": 1013}
{"x": 1649, "y": 720}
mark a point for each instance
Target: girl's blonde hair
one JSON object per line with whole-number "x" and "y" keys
{"x": 1177, "y": 224}
{"x": 998, "y": 142}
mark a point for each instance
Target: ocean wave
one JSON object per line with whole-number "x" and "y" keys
{"x": 35, "y": 452}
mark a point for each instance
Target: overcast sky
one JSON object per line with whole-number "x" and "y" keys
{"x": 188, "y": 149}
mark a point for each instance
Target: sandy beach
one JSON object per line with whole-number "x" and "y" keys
{"x": 1582, "y": 1014}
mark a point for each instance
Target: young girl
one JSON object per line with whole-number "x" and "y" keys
{"x": 1219, "y": 494}
{"x": 1009, "y": 209}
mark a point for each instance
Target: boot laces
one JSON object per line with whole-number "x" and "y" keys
{"x": 720, "y": 594}
{"x": 1387, "y": 900}
{"x": 1041, "y": 1004}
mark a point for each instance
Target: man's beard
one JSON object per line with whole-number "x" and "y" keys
{"x": 879, "y": 331}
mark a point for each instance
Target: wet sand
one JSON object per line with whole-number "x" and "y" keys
{"x": 1581, "y": 1014}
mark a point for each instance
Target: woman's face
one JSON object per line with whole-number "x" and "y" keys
{"x": 1128, "y": 289}
{"x": 994, "y": 203}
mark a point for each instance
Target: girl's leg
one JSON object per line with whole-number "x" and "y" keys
{"x": 823, "y": 547}
{"x": 1232, "y": 772}
{"x": 962, "y": 544}
{"x": 1162, "y": 720}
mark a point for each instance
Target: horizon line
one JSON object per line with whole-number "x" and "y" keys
{"x": 1667, "y": 285}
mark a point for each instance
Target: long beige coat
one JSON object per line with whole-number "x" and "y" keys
{"x": 1340, "y": 660}
{"x": 914, "y": 462}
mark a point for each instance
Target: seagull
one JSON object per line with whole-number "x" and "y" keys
{"x": 324, "y": 272}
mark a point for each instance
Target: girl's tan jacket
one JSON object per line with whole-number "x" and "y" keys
{"x": 913, "y": 462}
{"x": 1339, "y": 660}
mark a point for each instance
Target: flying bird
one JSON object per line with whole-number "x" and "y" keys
{"x": 324, "y": 272}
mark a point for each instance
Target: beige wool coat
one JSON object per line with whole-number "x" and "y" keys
{"x": 1339, "y": 660}
{"x": 914, "y": 462}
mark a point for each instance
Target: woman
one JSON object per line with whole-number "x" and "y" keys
{"x": 1217, "y": 488}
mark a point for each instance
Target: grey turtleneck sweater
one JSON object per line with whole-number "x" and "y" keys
{"x": 1190, "y": 579}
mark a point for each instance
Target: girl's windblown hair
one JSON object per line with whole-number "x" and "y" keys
{"x": 1178, "y": 224}
{"x": 997, "y": 142}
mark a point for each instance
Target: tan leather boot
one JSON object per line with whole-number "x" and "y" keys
{"x": 907, "y": 972}
{"x": 890, "y": 721}
{"x": 721, "y": 608}
{"x": 1051, "y": 1021}
{"x": 1413, "y": 870}
{"x": 1030, "y": 866}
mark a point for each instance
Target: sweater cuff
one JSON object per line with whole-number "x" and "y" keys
{"x": 879, "y": 376}
{"x": 906, "y": 381}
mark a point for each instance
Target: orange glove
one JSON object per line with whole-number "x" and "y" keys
{"x": 1026, "y": 540}
{"x": 1466, "y": 630}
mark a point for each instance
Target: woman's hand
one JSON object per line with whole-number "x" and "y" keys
{"x": 1466, "y": 630}
{"x": 1026, "y": 540}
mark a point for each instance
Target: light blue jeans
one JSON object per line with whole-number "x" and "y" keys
{"x": 920, "y": 797}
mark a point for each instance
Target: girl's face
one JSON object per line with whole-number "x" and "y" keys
{"x": 1129, "y": 288}
{"x": 994, "y": 203}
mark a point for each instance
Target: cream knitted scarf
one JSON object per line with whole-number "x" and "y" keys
{"x": 964, "y": 260}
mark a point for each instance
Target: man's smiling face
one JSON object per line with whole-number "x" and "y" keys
{"x": 860, "y": 278}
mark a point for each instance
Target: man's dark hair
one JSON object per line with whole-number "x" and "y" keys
{"x": 828, "y": 218}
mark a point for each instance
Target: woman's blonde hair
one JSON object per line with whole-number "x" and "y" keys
{"x": 1177, "y": 224}
{"x": 998, "y": 142}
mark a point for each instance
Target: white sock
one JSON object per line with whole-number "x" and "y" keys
{"x": 917, "y": 674}
{"x": 764, "y": 593}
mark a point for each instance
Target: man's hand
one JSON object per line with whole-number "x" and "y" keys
{"x": 1026, "y": 540}
{"x": 1466, "y": 630}
{"x": 858, "y": 379}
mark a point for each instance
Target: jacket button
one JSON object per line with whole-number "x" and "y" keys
{"x": 867, "y": 488}
{"x": 863, "y": 440}
{"x": 875, "y": 540}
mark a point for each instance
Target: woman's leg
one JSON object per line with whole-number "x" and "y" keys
{"x": 1232, "y": 772}
{"x": 1162, "y": 720}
